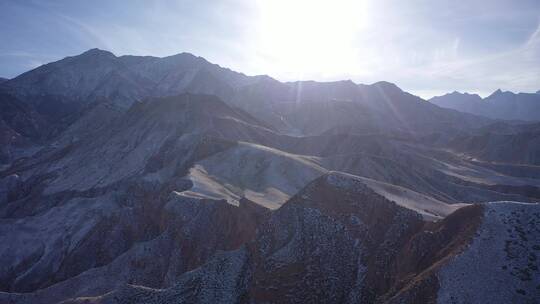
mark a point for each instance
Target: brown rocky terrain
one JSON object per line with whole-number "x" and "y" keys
{"x": 386, "y": 253}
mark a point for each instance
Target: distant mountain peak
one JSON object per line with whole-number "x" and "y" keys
{"x": 456, "y": 93}
{"x": 456, "y": 99}
{"x": 498, "y": 105}
{"x": 497, "y": 92}
{"x": 98, "y": 52}
{"x": 500, "y": 93}
{"x": 385, "y": 85}
{"x": 185, "y": 56}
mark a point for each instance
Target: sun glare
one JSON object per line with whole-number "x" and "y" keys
{"x": 310, "y": 36}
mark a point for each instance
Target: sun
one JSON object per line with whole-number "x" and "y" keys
{"x": 306, "y": 37}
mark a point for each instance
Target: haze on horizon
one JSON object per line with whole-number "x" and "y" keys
{"x": 425, "y": 47}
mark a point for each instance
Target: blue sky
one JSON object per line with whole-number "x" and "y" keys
{"x": 426, "y": 47}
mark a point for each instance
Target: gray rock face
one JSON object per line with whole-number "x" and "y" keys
{"x": 21, "y": 129}
{"x": 124, "y": 80}
{"x": 501, "y": 265}
{"x": 93, "y": 73}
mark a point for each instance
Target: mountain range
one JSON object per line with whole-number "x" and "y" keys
{"x": 138, "y": 179}
{"x": 499, "y": 105}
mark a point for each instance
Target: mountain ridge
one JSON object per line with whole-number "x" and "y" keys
{"x": 498, "y": 105}
{"x": 96, "y": 74}
{"x": 144, "y": 179}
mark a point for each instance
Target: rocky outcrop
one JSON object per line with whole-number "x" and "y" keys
{"x": 337, "y": 240}
{"x": 182, "y": 235}
{"x": 501, "y": 264}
